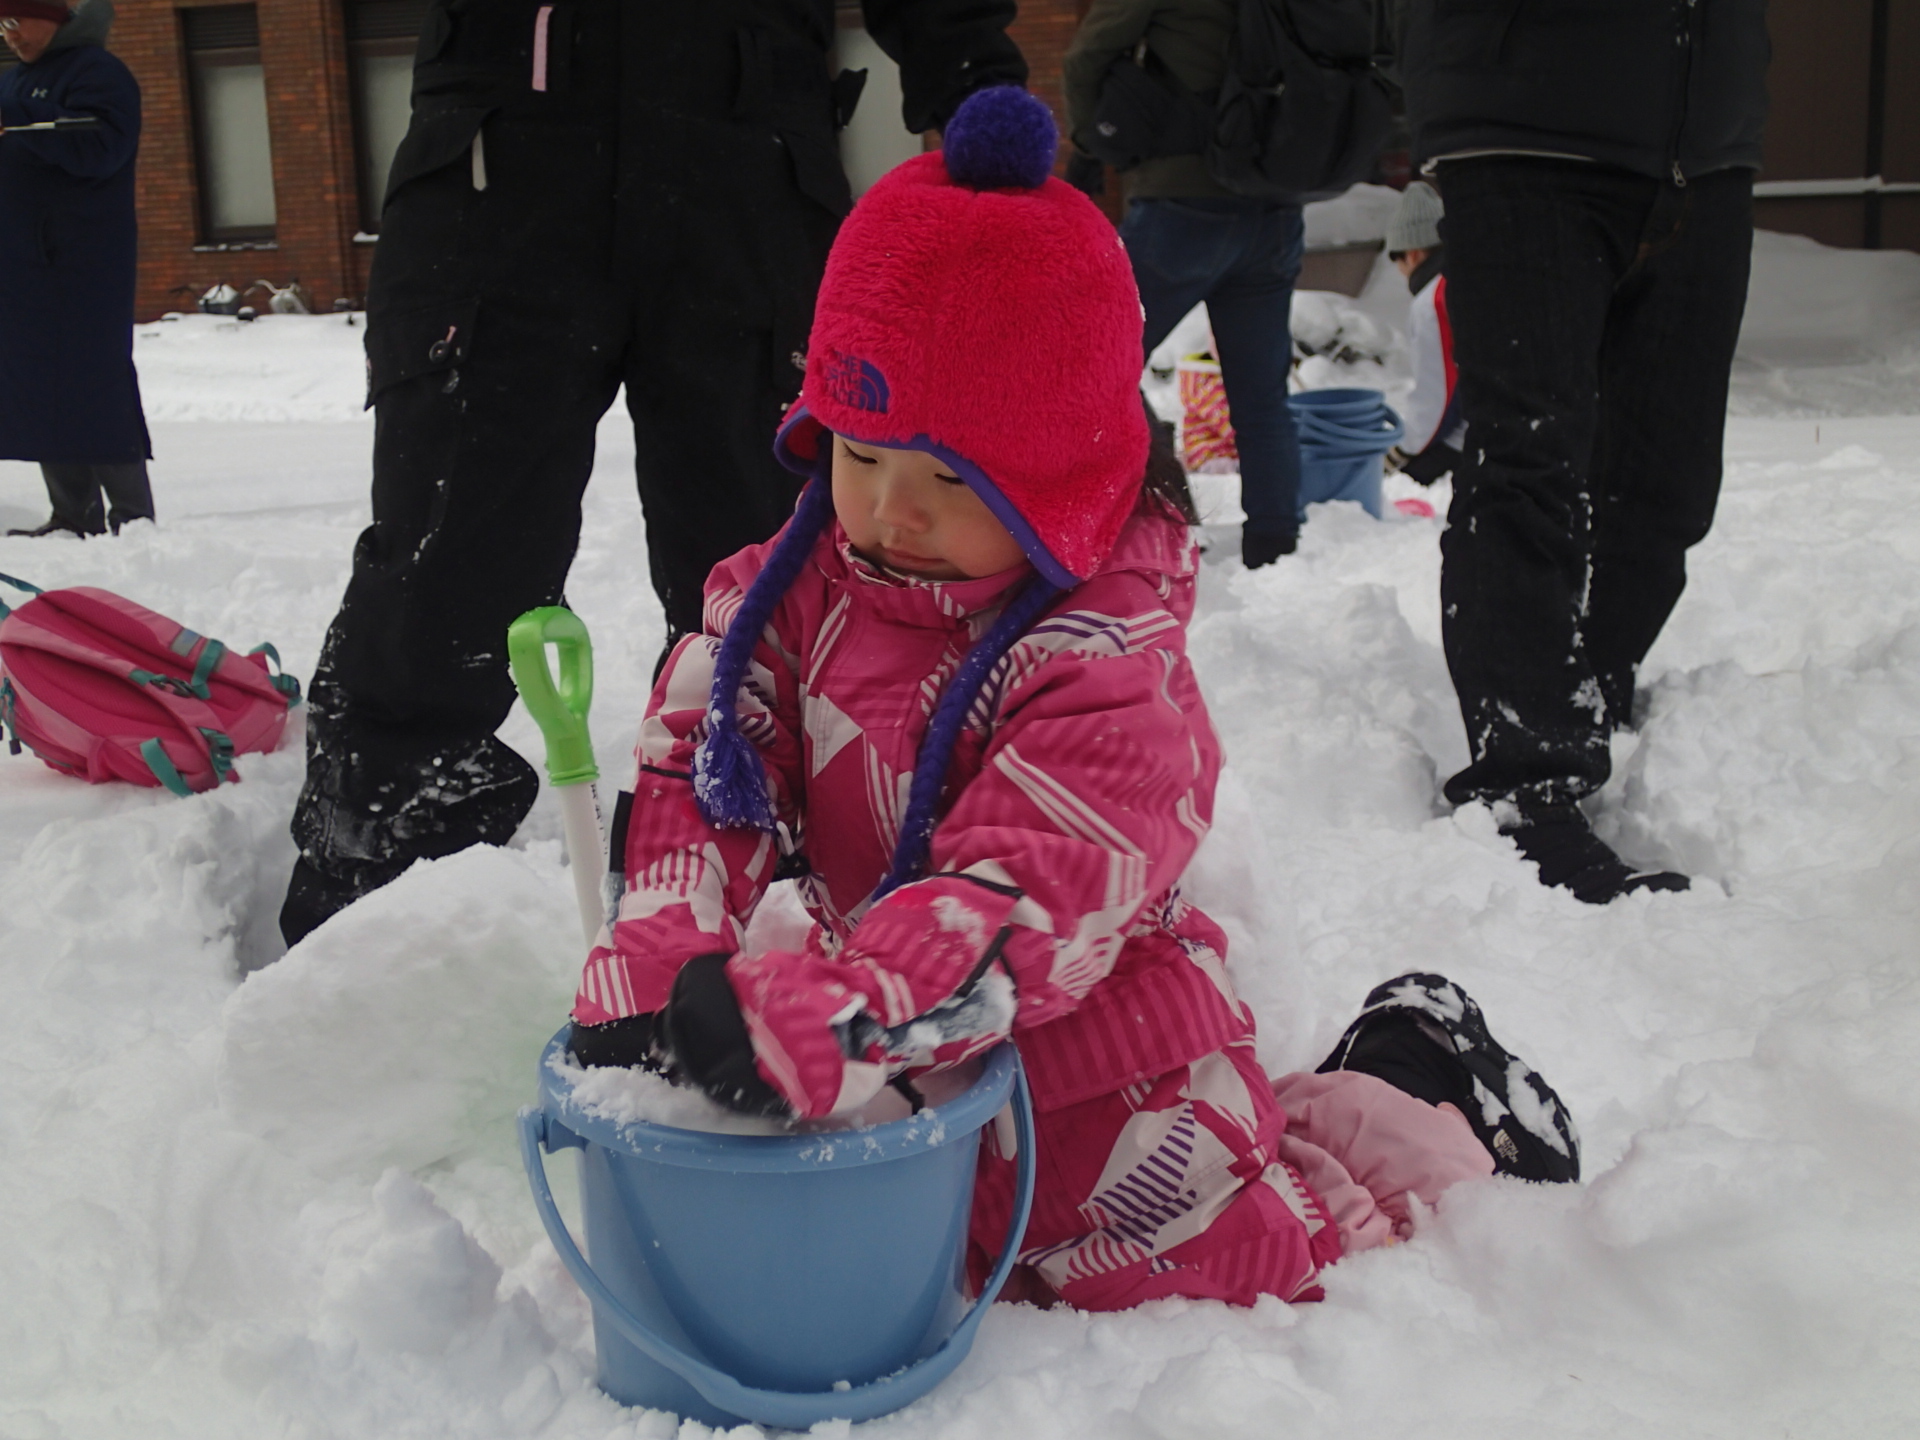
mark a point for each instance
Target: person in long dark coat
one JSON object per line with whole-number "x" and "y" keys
{"x": 68, "y": 394}
{"x": 589, "y": 195}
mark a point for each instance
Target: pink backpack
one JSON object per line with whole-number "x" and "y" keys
{"x": 104, "y": 689}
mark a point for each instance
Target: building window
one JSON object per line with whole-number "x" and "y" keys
{"x": 381, "y": 35}
{"x": 230, "y": 122}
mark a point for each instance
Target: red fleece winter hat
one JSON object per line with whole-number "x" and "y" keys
{"x": 52, "y": 10}
{"x": 976, "y": 308}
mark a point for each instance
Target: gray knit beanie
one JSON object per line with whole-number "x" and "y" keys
{"x": 1416, "y": 224}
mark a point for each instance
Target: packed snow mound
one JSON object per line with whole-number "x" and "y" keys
{"x": 1813, "y": 304}
{"x": 1828, "y": 331}
{"x": 398, "y": 1032}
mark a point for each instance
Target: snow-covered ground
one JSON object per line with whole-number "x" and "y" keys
{"x": 286, "y": 1203}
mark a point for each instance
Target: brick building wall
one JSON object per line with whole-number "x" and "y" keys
{"x": 309, "y": 119}
{"x": 1043, "y": 32}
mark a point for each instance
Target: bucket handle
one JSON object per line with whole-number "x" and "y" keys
{"x": 789, "y": 1409}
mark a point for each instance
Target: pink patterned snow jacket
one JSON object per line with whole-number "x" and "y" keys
{"x": 1078, "y": 792}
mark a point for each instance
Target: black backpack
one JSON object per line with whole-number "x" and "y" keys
{"x": 1300, "y": 115}
{"x": 1302, "y": 112}
{"x": 1144, "y": 113}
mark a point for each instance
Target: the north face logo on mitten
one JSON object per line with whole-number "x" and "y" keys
{"x": 855, "y": 382}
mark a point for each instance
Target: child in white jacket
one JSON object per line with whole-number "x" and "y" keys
{"x": 1435, "y": 432}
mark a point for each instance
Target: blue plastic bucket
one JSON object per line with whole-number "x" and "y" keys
{"x": 785, "y": 1279}
{"x": 1343, "y": 435}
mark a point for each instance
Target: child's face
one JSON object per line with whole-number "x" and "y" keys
{"x": 906, "y": 510}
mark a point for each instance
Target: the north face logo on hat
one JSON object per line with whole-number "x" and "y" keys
{"x": 855, "y": 382}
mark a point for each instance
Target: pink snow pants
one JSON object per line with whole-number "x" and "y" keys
{"x": 1214, "y": 1182}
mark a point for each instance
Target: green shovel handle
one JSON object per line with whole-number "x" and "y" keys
{"x": 560, "y": 710}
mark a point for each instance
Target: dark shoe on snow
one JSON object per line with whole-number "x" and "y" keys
{"x": 55, "y": 526}
{"x": 1424, "y": 1035}
{"x": 1573, "y": 858}
{"x": 1257, "y": 549}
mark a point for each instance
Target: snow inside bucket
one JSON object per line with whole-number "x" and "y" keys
{"x": 1343, "y": 435}
{"x": 778, "y": 1279}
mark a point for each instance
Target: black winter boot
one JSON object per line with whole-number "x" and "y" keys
{"x": 357, "y": 831}
{"x": 1258, "y": 549}
{"x": 1571, "y": 856}
{"x": 1425, "y": 1035}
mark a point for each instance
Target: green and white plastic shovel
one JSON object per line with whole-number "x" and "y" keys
{"x": 559, "y": 707}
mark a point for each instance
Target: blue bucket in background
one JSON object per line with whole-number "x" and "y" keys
{"x": 783, "y": 1279}
{"x": 1344, "y": 434}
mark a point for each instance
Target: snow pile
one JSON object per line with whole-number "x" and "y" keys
{"x": 1828, "y": 332}
{"x": 1360, "y": 215}
{"x": 1809, "y": 303}
{"x": 633, "y": 1095}
{"x": 288, "y": 1202}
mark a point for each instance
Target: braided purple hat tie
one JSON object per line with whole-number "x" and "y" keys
{"x": 729, "y": 777}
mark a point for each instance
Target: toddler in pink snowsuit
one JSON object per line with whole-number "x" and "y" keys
{"x": 952, "y": 698}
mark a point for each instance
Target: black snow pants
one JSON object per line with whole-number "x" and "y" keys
{"x": 1594, "y": 317}
{"x": 645, "y": 197}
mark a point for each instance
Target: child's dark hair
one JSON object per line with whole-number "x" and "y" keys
{"x": 1166, "y": 477}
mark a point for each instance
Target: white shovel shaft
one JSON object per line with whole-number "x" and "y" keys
{"x": 585, "y": 856}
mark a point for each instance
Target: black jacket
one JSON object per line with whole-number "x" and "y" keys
{"x": 67, "y": 387}
{"x": 1662, "y": 87}
{"x": 692, "y": 147}
{"x": 683, "y": 70}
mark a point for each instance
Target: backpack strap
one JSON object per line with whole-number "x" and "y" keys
{"x": 163, "y": 769}
{"x": 210, "y": 654}
{"x": 278, "y": 677}
{"x": 219, "y": 754}
{"x": 6, "y": 609}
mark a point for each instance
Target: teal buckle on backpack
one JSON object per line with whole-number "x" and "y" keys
{"x": 203, "y": 671}
{"x": 278, "y": 678}
{"x": 219, "y": 751}
{"x": 7, "y": 721}
{"x": 172, "y": 684}
{"x": 156, "y": 757}
{"x": 6, "y": 609}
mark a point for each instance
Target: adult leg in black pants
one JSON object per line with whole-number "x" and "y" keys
{"x": 1594, "y": 314}
{"x": 1677, "y": 313}
{"x": 487, "y": 385}
{"x": 501, "y": 324}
